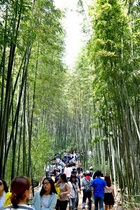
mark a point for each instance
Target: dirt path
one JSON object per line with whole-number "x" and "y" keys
{"x": 80, "y": 205}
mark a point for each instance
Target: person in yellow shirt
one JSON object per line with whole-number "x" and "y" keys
{"x": 4, "y": 194}
{"x": 7, "y": 199}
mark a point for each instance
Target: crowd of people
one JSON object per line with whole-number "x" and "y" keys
{"x": 60, "y": 189}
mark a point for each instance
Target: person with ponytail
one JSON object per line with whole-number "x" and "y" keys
{"x": 20, "y": 189}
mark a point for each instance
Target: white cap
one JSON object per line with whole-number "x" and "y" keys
{"x": 87, "y": 172}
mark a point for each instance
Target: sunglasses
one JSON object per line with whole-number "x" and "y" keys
{"x": 1, "y": 183}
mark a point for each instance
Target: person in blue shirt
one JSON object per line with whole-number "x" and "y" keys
{"x": 98, "y": 185}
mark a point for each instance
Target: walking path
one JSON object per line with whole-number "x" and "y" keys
{"x": 80, "y": 205}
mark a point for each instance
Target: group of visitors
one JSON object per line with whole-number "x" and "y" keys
{"x": 61, "y": 162}
{"x": 44, "y": 199}
{"x": 98, "y": 189}
{"x": 60, "y": 192}
{"x": 93, "y": 187}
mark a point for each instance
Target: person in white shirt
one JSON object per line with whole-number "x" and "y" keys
{"x": 68, "y": 171}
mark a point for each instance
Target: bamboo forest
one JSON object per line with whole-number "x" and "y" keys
{"x": 93, "y": 108}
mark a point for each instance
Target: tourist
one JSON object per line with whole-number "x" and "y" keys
{"x": 109, "y": 194}
{"x": 20, "y": 189}
{"x": 64, "y": 192}
{"x": 46, "y": 198}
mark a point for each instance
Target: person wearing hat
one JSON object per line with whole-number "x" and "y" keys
{"x": 86, "y": 186}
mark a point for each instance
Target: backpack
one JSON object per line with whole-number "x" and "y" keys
{"x": 87, "y": 187}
